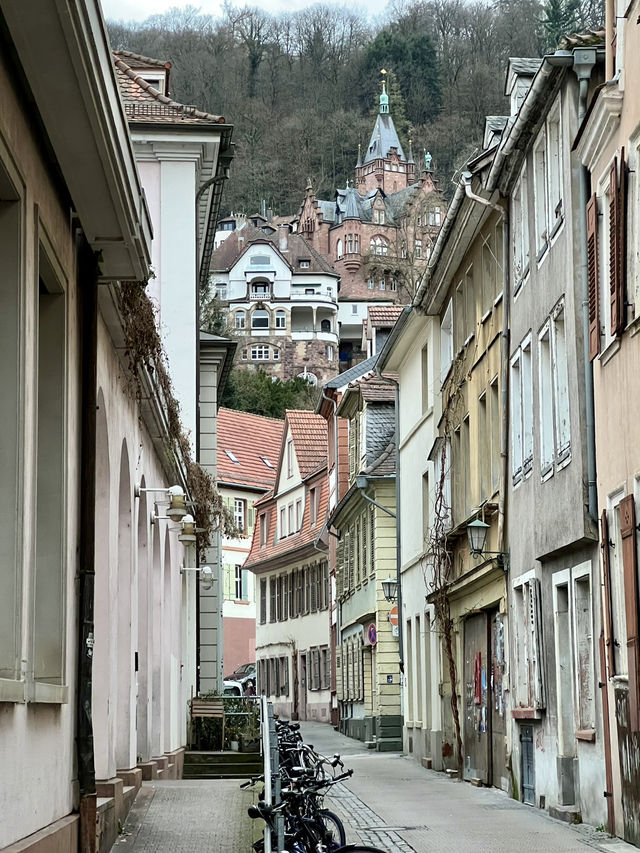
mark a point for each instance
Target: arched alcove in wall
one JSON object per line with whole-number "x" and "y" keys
{"x": 103, "y": 685}
{"x": 157, "y": 739}
{"x": 167, "y": 636}
{"x": 125, "y": 755}
{"x": 143, "y": 715}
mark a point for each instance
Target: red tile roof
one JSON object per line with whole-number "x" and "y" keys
{"x": 296, "y": 544}
{"x": 309, "y": 433}
{"x": 249, "y": 438}
{"x": 144, "y": 103}
{"x": 384, "y": 315}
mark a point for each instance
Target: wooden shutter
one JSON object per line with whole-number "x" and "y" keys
{"x": 352, "y": 446}
{"x": 621, "y": 249}
{"x": 372, "y": 539}
{"x": 614, "y": 247}
{"x": 606, "y": 577}
{"x": 537, "y": 673}
{"x": 629, "y": 568}
{"x": 592, "y": 276}
{"x": 339, "y": 685}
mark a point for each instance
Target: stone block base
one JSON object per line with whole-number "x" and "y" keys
{"x": 61, "y": 836}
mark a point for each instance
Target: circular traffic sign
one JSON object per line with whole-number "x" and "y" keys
{"x": 372, "y": 634}
{"x": 393, "y": 616}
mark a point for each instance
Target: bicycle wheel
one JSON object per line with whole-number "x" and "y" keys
{"x": 335, "y": 835}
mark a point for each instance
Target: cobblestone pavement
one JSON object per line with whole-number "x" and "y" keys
{"x": 395, "y": 804}
{"x": 189, "y": 816}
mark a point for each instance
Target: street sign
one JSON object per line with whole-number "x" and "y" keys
{"x": 372, "y": 634}
{"x": 393, "y": 618}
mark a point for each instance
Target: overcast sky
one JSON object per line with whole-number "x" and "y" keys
{"x": 139, "y": 10}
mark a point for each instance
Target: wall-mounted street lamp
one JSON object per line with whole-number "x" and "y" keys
{"x": 206, "y": 574}
{"x": 477, "y": 535}
{"x": 176, "y": 510}
{"x": 390, "y": 588}
{"x": 188, "y": 533}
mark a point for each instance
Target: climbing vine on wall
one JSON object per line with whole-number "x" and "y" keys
{"x": 144, "y": 352}
{"x": 438, "y": 565}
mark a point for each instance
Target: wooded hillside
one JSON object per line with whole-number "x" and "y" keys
{"x": 301, "y": 89}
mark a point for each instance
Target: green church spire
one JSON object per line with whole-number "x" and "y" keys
{"x": 384, "y": 98}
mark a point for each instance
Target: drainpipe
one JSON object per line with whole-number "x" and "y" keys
{"x": 584, "y": 61}
{"x": 396, "y": 388}
{"x": 88, "y": 291}
{"x": 504, "y": 353}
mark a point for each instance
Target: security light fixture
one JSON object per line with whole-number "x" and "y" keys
{"x": 390, "y": 588}
{"x": 477, "y": 535}
{"x": 188, "y": 533}
{"x": 206, "y": 575}
{"x": 176, "y": 510}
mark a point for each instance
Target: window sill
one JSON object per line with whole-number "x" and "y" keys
{"x": 542, "y": 252}
{"x": 54, "y": 694}
{"x": 526, "y": 713}
{"x": 609, "y": 351}
{"x": 586, "y": 735}
{"x": 12, "y": 691}
{"x": 556, "y": 228}
{"x": 547, "y": 474}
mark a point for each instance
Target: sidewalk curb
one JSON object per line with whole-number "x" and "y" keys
{"x": 135, "y": 818}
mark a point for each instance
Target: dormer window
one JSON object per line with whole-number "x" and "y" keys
{"x": 305, "y": 265}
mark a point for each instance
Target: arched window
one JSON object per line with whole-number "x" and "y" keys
{"x": 260, "y": 319}
{"x": 378, "y": 246}
{"x": 339, "y": 249}
{"x": 281, "y": 320}
{"x": 325, "y": 325}
{"x": 241, "y": 319}
{"x": 260, "y": 289}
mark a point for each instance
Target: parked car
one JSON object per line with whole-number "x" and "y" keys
{"x": 244, "y": 671}
{"x": 232, "y": 688}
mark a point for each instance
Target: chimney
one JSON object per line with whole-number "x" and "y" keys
{"x": 283, "y": 235}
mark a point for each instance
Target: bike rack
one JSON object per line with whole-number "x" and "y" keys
{"x": 271, "y": 764}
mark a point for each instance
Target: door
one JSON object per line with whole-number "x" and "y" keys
{"x": 628, "y": 748}
{"x": 476, "y": 699}
{"x": 497, "y": 717}
{"x": 302, "y": 708}
{"x": 527, "y": 769}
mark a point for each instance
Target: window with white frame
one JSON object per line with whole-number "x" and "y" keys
{"x": 276, "y": 354}
{"x": 418, "y": 248}
{"x": 529, "y": 680}
{"x": 521, "y": 387}
{"x": 240, "y": 319}
{"x": 241, "y": 590}
{"x": 281, "y": 320}
{"x": 446, "y": 341}
{"x": 260, "y": 352}
{"x": 239, "y": 513}
{"x": 548, "y": 179}
{"x": 540, "y": 193}
{"x": 260, "y": 319}
{"x": 283, "y": 522}
{"x": 221, "y": 290}
{"x": 378, "y": 246}
{"x": 553, "y": 393}
{"x": 298, "y": 514}
{"x": 339, "y": 249}
{"x": 290, "y": 458}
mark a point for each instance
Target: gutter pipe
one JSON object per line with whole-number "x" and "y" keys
{"x": 504, "y": 351}
{"x": 396, "y": 388}
{"x": 87, "y": 279}
{"x": 583, "y": 72}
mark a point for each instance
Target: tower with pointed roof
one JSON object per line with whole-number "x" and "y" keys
{"x": 384, "y": 165}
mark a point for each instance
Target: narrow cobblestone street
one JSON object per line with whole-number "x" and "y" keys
{"x": 391, "y": 803}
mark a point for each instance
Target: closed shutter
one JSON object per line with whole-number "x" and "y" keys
{"x": 292, "y": 595}
{"x": 339, "y": 568}
{"x": 251, "y": 519}
{"x": 352, "y": 558}
{"x": 606, "y": 573}
{"x": 244, "y": 584}
{"x": 263, "y": 601}
{"x": 629, "y": 567}
{"x": 614, "y": 259}
{"x": 621, "y": 247}
{"x": 339, "y": 684}
{"x": 313, "y": 583}
{"x": 229, "y": 581}
{"x": 592, "y": 275}
{"x": 537, "y": 661}
{"x": 352, "y": 445}
{"x": 285, "y": 596}
{"x": 372, "y": 534}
